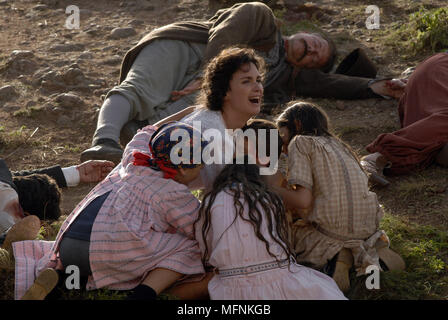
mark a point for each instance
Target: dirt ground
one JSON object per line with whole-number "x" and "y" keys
{"x": 85, "y": 62}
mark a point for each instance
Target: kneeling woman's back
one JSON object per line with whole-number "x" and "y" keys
{"x": 242, "y": 232}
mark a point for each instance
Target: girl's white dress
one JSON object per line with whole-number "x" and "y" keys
{"x": 232, "y": 244}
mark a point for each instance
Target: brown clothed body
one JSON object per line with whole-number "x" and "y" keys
{"x": 423, "y": 113}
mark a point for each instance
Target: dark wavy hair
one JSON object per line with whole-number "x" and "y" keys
{"x": 257, "y": 124}
{"x": 244, "y": 182}
{"x": 313, "y": 122}
{"x": 219, "y": 72}
{"x": 39, "y": 195}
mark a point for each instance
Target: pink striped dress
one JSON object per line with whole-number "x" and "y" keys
{"x": 146, "y": 222}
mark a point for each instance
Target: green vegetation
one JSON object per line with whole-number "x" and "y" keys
{"x": 72, "y": 148}
{"x": 425, "y": 251}
{"x": 14, "y": 138}
{"x": 30, "y": 112}
{"x": 425, "y": 32}
{"x": 432, "y": 29}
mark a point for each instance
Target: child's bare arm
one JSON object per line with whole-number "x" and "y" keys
{"x": 301, "y": 198}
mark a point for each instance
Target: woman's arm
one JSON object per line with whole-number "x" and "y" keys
{"x": 176, "y": 117}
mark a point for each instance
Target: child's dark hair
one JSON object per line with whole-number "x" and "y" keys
{"x": 219, "y": 72}
{"x": 257, "y": 124}
{"x": 312, "y": 120}
{"x": 39, "y": 195}
{"x": 245, "y": 183}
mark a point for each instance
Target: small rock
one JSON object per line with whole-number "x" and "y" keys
{"x": 39, "y": 73}
{"x": 50, "y": 80}
{"x": 21, "y": 66}
{"x": 23, "y": 79}
{"x": 30, "y": 104}
{"x": 85, "y": 13}
{"x": 7, "y": 93}
{"x": 112, "y": 61}
{"x": 68, "y": 100}
{"x": 335, "y": 23}
{"x": 136, "y": 23}
{"x": 73, "y": 76}
{"x": 74, "y": 65}
{"x": 92, "y": 31}
{"x": 59, "y": 63}
{"x": 67, "y": 47}
{"x": 51, "y": 86}
{"x": 120, "y": 33}
{"x": 63, "y": 120}
{"x": 30, "y": 15}
{"x": 86, "y": 55}
{"x": 21, "y": 54}
{"x": 50, "y": 3}
{"x": 100, "y": 92}
{"x": 108, "y": 48}
{"x": 40, "y": 7}
{"x": 10, "y": 108}
{"x": 108, "y": 28}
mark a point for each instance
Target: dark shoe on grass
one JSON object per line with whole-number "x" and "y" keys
{"x": 374, "y": 165}
{"x": 103, "y": 149}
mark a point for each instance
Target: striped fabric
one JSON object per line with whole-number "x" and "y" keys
{"x": 145, "y": 222}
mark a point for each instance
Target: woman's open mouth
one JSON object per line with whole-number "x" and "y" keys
{"x": 255, "y": 100}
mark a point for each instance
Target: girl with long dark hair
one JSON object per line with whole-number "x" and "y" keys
{"x": 243, "y": 233}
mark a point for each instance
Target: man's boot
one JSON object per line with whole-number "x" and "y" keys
{"x": 103, "y": 149}
{"x": 374, "y": 165}
{"x": 341, "y": 275}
